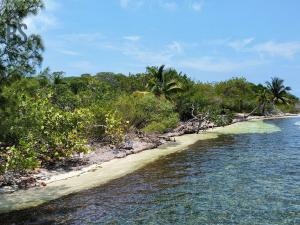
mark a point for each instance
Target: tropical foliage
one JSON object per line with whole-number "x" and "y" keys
{"x": 278, "y": 90}
{"x": 161, "y": 82}
{"x": 18, "y": 57}
{"x": 48, "y": 116}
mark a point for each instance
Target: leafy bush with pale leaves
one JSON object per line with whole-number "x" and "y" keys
{"x": 115, "y": 127}
{"x": 39, "y": 132}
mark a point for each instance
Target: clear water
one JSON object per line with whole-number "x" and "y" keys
{"x": 234, "y": 179}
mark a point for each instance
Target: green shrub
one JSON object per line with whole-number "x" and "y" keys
{"x": 219, "y": 116}
{"x": 163, "y": 125}
{"x": 39, "y": 132}
{"x": 287, "y": 108}
{"x": 115, "y": 127}
{"x": 147, "y": 112}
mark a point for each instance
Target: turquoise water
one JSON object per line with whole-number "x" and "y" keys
{"x": 234, "y": 179}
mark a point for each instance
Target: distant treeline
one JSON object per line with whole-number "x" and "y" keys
{"x": 48, "y": 116}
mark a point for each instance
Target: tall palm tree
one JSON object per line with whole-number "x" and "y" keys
{"x": 278, "y": 90}
{"x": 160, "y": 85}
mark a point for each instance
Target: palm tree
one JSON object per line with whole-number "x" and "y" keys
{"x": 278, "y": 90}
{"x": 159, "y": 84}
{"x": 262, "y": 99}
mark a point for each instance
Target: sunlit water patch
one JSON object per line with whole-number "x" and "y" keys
{"x": 229, "y": 178}
{"x": 258, "y": 127}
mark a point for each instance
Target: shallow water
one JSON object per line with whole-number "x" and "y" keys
{"x": 248, "y": 178}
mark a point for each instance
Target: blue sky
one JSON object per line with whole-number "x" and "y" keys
{"x": 210, "y": 40}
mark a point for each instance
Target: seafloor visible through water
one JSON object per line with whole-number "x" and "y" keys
{"x": 249, "y": 178}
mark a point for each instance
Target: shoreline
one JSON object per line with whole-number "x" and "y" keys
{"x": 95, "y": 166}
{"x": 82, "y": 179}
{"x": 98, "y": 165}
{"x": 47, "y": 176}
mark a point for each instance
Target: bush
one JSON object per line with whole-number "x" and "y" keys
{"x": 288, "y": 108}
{"x": 162, "y": 126}
{"x": 115, "y": 127}
{"x": 39, "y": 132}
{"x": 219, "y": 116}
{"x": 147, "y": 112}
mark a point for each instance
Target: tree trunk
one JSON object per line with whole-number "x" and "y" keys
{"x": 263, "y": 109}
{"x": 253, "y": 111}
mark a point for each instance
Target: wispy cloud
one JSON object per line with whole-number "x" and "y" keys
{"x": 185, "y": 55}
{"x": 124, "y": 3}
{"x": 169, "y": 5}
{"x": 212, "y": 64}
{"x": 45, "y": 20}
{"x": 197, "y": 5}
{"x": 284, "y": 49}
{"x": 149, "y": 57}
{"x": 240, "y": 44}
{"x": 132, "y": 38}
{"x": 83, "y": 38}
{"x": 145, "y": 55}
{"x": 175, "y": 47}
{"x": 131, "y": 3}
{"x": 171, "y": 55}
{"x": 52, "y": 5}
{"x": 69, "y": 52}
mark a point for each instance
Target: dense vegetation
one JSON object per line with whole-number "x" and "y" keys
{"x": 47, "y": 116}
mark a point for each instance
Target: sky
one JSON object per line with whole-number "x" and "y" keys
{"x": 210, "y": 40}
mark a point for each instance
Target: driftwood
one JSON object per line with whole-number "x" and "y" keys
{"x": 201, "y": 118}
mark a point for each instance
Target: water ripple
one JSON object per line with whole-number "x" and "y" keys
{"x": 234, "y": 179}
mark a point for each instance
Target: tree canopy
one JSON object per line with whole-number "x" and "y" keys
{"x": 18, "y": 57}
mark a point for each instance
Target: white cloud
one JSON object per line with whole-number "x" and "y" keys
{"x": 283, "y": 49}
{"x": 145, "y": 55}
{"x": 175, "y": 47}
{"x": 131, "y": 3}
{"x": 240, "y": 44}
{"x": 197, "y": 6}
{"x": 270, "y": 48}
{"x": 171, "y": 6}
{"x": 171, "y": 55}
{"x": 132, "y": 38}
{"x": 210, "y": 64}
{"x": 83, "y": 38}
{"x": 45, "y": 20}
{"x": 51, "y": 5}
{"x": 166, "y": 55}
{"x": 68, "y": 52}
{"x": 40, "y": 23}
{"x": 149, "y": 57}
{"x": 124, "y": 3}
